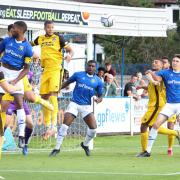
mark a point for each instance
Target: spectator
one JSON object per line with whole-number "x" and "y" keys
{"x": 101, "y": 72}
{"x": 130, "y": 88}
{"x": 109, "y": 86}
{"x": 140, "y": 83}
{"x": 110, "y": 70}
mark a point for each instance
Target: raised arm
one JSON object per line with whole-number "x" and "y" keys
{"x": 154, "y": 76}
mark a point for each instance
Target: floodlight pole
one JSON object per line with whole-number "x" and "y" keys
{"x": 122, "y": 70}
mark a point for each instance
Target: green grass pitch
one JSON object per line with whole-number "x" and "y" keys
{"x": 113, "y": 158}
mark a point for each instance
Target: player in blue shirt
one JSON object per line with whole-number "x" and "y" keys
{"x": 171, "y": 78}
{"x": 88, "y": 84}
{"x": 17, "y": 53}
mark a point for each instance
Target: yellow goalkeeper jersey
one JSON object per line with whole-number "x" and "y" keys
{"x": 157, "y": 95}
{"x": 51, "y": 50}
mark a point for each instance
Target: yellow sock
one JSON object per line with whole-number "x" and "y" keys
{"x": 163, "y": 130}
{"x": 46, "y": 117}
{"x": 144, "y": 141}
{"x": 170, "y": 141}
{"x": 54, "y": 102}
{"x": 3, "y": 118}
{"x": 43, "y": 102}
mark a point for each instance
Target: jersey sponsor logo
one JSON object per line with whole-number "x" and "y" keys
{"x": 85, "y": 86}
{"x": 9, "y": 51}
{"x": 173, "y": 82}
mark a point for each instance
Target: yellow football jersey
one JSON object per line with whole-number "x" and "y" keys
{"x": 51, "y": 50}
{"x": 157, "y": 94}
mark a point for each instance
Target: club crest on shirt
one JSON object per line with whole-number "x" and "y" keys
{"x": 54, "y": 39}
{"x": 21, "y": 48}
{"x": 93, "y": 80}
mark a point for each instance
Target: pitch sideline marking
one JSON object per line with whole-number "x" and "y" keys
{"x": 86, "y": 172}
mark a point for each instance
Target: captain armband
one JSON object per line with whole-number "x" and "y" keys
{"x": 28, "y": 60}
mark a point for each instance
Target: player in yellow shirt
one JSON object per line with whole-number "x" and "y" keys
{"x": 156, "y": 102}
{"x": 51, "y": 60}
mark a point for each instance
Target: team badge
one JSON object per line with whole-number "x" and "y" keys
{"x": 21, "y": 48}
{"x": 93, "y": 80}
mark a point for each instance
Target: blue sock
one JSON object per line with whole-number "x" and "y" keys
{"x": 28, "y": 133}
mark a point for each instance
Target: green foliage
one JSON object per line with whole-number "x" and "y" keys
{"x": 140, "y": 49}
{"x": 133, "y": 3}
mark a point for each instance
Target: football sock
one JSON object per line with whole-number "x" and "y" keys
{"x": 54, "y": 102}
{"x": 152, "y": 136}
{"x": 91, "y": 133}
{"x": 28, "y": 132}
{"x": 61, "y": 134}
{"x": 21, "y": 121}
{"x": 144, "y": 141}
{"x": 163, "y": 130}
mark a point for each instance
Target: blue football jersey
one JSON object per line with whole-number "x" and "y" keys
{"x": 15, "y": 52}
{"x": 172, "y": 82}
{"x": 86, "y": 87}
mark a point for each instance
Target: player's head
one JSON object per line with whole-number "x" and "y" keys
{"x": 19, "y": 28}
{"x": 176, "y": 62}
{"x": 10, "y": 30}
{"x": 157, "y": 64}
{"x": 166, "y": 63}
{"x": 91, "y": 67}
{"x": 49, "y": 28}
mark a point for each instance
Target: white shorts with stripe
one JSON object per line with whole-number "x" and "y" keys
{"x": 11, "y": 75}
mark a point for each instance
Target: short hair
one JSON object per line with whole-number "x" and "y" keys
{"x": 91, "y": 61}
{"x": 22, "y": 25}
{"x": 101, "y": 69}
{"x": 107, "y": 63}
{"x": 177, "y": 55}
{"x": 10, "y": 26}
{"x": 159, "y": 59}
{"x": 165, "y": 57}
{"x": 48, "y": 22}
{"x": 133, "y": 75}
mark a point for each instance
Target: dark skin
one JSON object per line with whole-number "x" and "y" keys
{"x": 89, "y": 119}
{"x": 18, "y": 34}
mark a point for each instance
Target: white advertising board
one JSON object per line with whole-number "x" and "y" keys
{"x": 113, "y": 115}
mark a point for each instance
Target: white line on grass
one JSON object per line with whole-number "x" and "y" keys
{"x": 2, "y": 177}
{"x": 88, "y": 172}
